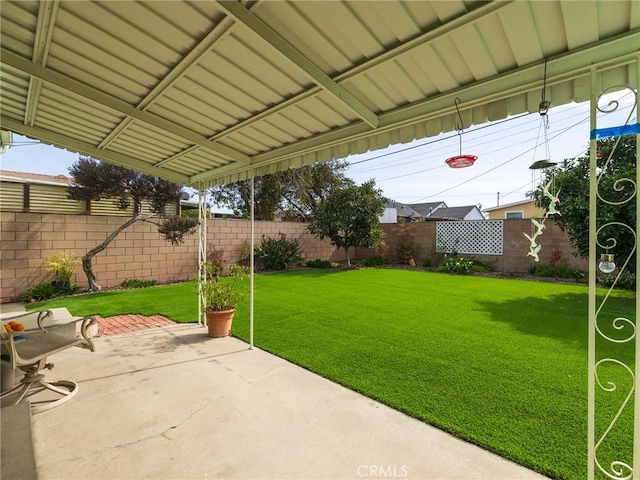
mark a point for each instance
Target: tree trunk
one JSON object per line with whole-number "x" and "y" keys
{"x": 88, "y": 257}
{"x": 346, "y": 249}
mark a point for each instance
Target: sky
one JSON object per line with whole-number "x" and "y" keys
{"x": 416, "y": 172}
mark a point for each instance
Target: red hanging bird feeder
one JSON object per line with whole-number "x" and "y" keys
{"x": 460, "y": 161}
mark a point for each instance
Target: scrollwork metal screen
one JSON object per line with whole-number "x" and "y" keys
{"x": 478, "y": 237}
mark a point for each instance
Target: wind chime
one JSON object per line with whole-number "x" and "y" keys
{"x": 548, "y": 188}
{"x": 460, "y": 161}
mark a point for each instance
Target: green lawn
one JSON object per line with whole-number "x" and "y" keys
{"x": 501, "y": 363}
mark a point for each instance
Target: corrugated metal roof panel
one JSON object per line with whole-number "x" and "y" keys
{"x": 212, "y": 91}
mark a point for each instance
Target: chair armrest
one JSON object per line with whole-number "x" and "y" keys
{"x": 41, "y": 316}
{"x": 44, "y": 316}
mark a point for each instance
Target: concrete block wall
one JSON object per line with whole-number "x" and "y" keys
{"x": 138, "y": 252}
{"x": 555, "y": 246}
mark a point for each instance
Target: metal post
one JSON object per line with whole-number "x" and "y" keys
{"x": 202, "y": 249}
{"x": 636, "y": 412}
{"x": 252, "y": 261}
{"x": 592, "y": 282}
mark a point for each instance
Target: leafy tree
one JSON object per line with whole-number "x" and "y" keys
{"x": 95, "y": 180}
{"x": 615, "y": 163}
{"x": 349, "y": 217}
{"x": 307, "y": 186}
{"x": 268, "y": 191}
{"x": 295, "y": 192}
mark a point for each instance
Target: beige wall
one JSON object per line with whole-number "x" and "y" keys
{"x": 138, "y": 252}
{"x": 528, "y": 209}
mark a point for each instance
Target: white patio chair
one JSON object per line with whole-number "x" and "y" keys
{"x": 28, "y": 351}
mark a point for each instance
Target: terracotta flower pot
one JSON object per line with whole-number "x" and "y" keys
{"x": 219, "y": 322}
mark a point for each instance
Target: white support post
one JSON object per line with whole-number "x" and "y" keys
{"x": 636, "y": 412}
{"x": 202, "y": 250}
{"x": 592, "y": 283}
{"x": 252, "y": 261}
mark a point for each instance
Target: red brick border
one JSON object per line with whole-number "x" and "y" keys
{"x": 129, "y": 324}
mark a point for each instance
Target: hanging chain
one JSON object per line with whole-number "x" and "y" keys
{"x": 459, "y": 126}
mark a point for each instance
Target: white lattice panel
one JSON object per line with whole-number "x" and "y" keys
{"x": 477, "y": 237}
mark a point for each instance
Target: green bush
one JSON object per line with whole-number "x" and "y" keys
{"x": 317, "y": 263}
{"x": 135, "y": 283}
{"x": 278, "y": 253}
{"x": 373, "y": 261}
{"x": 556, "y": 271}
{"x": 458, "y": 265}
{"x": 463, "y": 266}
{"x": 41, "y": 291}
{"x": 627, "y": 281}
{"x": 47, "y": 290}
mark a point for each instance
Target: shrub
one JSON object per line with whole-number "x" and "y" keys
{"x": 61, "y": 265}
{"x": 407, "y": 248}
{"x": 215, "y": 256}
{"x": 135, "y": 283}
{"x": 45, "y": 291}
{"x": 556, "y": 271}
{"x": 458, "y": 265}
{"x": 463, "y": 266}
{"x": 627, "y": 281}
{"x": 373, "y": 261}
{"x": 317, "y": 263}
{"x": 278, "y": 253}
{"x": 41, "y": 291}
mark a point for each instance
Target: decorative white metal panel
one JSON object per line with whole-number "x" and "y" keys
{"x": 614, "y": 343}
{"x": 478, "y": 237}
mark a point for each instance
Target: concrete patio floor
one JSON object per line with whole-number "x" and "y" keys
{"x": 172, "y": 403}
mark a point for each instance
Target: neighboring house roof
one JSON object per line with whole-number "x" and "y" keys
{"x": 457, "y": 213}
{"x": 506, "y": 205}
{"x": 426, "y": 209}
{"x": 40, "y": 178}
{"x": 403, "y": 210}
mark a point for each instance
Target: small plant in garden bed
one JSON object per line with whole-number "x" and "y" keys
{"x": 45, "y": 291}
{"x": 318, "y": 263}
{"x": 135, "y": 283}
{"x": 557, "y": 271}
{"x": 627, "y": 281}
{"x": 277, "y": 253}
{"x": 373, "y": 262}
{"x": 61, "y": 266}
{"x": 462, "y": 266}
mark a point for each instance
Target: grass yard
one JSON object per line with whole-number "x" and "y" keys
{"x": 501, "y": 363}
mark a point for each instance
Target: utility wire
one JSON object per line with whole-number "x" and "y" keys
{"x": 499, "y": 165}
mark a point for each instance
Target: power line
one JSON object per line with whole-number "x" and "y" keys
{"x": 482, "y": 127}
{"x": 499, "y": 165}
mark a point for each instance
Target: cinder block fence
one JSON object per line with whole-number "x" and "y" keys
{"x": 139, "y": 252}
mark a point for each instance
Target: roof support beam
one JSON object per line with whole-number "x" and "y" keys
{"x": 63, "y": 141}
{"x": 427, "y": 37}
{"x": 78, "y": 88}
{"x": 264, "y": 31}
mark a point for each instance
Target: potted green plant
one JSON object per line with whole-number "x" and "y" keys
{"x": 221, "y": 297}
{"x": 61, "y": 266}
